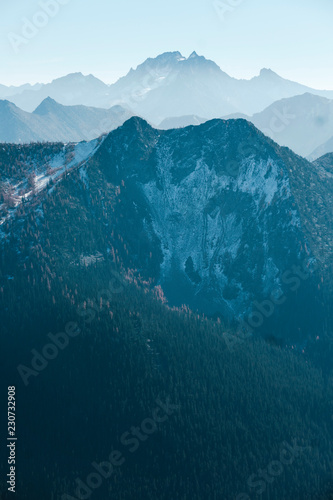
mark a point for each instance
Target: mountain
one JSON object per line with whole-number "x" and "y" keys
{"x": 52, "y": 121}
{"x": 227, "y": 210}
{"x": 72, "y": 89}
{"x": 269, "y": 87}
{"x": 77, "y": 123}
{"x": 12, "y": 90}
{"x": 16, "y": 125}
{"x": 301, "y": 123}
{"x": 170, "y": 85}
{"x": 216, "y": 214}
{"x": 181, "y": 122}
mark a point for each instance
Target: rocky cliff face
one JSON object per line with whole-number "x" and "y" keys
{"x": 223, "y": 203}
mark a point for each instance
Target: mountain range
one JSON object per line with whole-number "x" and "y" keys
{"x": 168, "y": 85}
{"x": 6, "y": 91}
{"x": 304, "y": 123}
{"x": 169, "y": 91}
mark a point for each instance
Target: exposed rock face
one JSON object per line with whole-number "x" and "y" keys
{"x": 223, "y": 204}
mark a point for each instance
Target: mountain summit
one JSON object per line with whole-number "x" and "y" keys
{"x": 268, "y": 73}
{"x": 47, "y": 106}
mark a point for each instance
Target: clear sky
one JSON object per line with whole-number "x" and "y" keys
{"x": 108, "y": 37}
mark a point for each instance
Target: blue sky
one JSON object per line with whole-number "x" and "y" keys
{"x": 106, "y": 38}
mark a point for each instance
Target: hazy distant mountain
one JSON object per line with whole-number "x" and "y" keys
{"x": 263, "y": 90}
{"x": 12, "y": 90}
{"x": 52, "y": 121}
{"x": 17, "y": 125}
{"x": 181, "y": 122}
{"x": 82, "y": 122}
{"x": 73, "y": 89}
{"x": 302, "y": 123}
{"x": 170, "y": 85}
